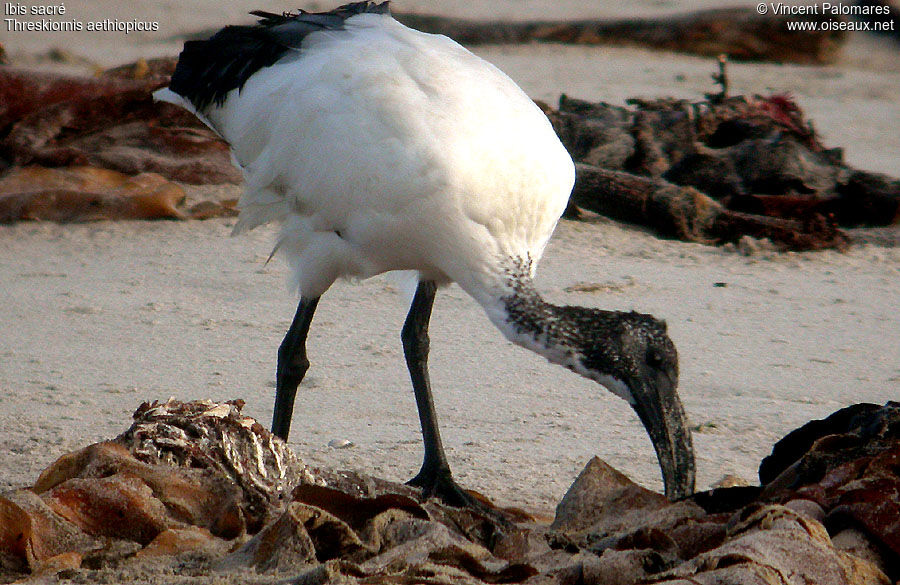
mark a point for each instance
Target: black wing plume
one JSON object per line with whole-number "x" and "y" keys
{"x": 208, "y": 70}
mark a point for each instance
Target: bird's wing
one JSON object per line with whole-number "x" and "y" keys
{"x": 208, "y": 70}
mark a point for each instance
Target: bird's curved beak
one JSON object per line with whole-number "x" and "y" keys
{"x": 655, "y": 399}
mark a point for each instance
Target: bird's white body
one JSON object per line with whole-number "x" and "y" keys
{"x": 380, "y": 148}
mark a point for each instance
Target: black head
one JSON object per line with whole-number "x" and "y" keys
{"x": 632, "y": 355}
{"x": 623, "y": 346}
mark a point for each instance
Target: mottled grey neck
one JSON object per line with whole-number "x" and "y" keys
{"x": 530, "y": 316}
{"x": 600, "y": 345}
{"x": 531, "y": 322}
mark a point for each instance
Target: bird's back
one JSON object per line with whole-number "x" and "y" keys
{"x": 380, "y": 147}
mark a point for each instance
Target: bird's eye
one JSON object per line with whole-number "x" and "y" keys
{"x": 654, "y": 357}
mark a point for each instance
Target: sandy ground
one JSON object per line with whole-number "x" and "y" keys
{"x": 100, "y": 317}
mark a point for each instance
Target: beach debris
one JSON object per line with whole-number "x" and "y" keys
{"x": 199, "y": 490}
{"x": 340, "y": 443}
{"x": 685, "y": 213}
{"x": 74, "y": 194}
{"x": 718, "y": 170}
{"x": 86, "y": 193}
{"x": 109, "y": 122}
{"x": 720, "y": 79}
{"x": 849, "y": 464}
{"x": 883, "y": 17}
{"x": 741, "y": 33}
{"x": 219, "y": 438}
{"x": 210, "y": 209}
{"x": 714, "y": 171}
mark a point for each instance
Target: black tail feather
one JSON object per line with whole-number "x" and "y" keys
{"x": 208, "y": 70}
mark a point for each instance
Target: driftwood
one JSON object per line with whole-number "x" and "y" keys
{"x": 197, "y": 491}
{"x": 716, "y": 170}
{"x": 740, "y": 33}
{"x": 687, "y": 214}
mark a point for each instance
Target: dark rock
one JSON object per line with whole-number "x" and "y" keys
{"x": 797, "y": 443}
{"x": 849, "y": 463}
{"x": 604, "y": 500}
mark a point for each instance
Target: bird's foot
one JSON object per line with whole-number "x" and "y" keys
{"x": 439, "y": 483}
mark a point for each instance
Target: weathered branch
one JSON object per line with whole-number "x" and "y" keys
{"x": 687, "y": 214}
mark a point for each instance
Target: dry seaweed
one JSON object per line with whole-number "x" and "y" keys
{"x": 197, "y": 490}
{"x": 109, "y": 122}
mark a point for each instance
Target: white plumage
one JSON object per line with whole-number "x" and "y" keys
{"x": 421, "y": 156}
{"x": 381, "y": 148}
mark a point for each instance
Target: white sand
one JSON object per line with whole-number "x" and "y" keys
{"x": 100, "y": 317}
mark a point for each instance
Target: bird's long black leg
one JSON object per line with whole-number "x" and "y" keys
{"x": 434, "y": 477}
{"x": 292, "y": 366}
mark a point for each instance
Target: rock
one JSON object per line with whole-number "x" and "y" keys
{"x": 603, "y": 499}
{"x": 340, "y": 443}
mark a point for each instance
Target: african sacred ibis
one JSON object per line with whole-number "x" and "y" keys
{"x": 377, "y": 148}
